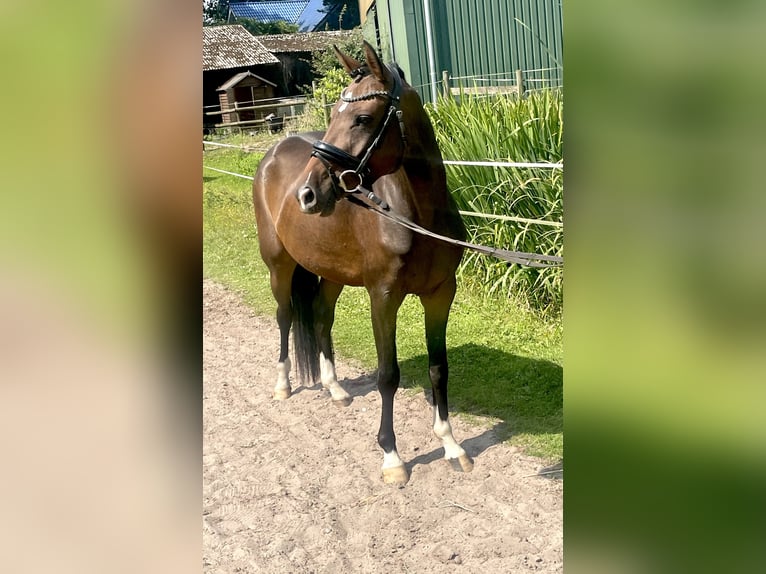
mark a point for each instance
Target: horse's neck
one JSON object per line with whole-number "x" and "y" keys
{"x": 423, "y": 159}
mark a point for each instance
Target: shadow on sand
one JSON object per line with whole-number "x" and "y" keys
{"x": 523, "y": 395}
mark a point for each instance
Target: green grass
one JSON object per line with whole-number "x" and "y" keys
{"x": 506, "y": 128}
{"x": 505, "y": 361}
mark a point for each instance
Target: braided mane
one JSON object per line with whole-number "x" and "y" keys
{"x": 367, "y": 96}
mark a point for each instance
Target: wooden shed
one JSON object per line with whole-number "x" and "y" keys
{"x": 227, "y": 51}
{"x": 242, "y": 96}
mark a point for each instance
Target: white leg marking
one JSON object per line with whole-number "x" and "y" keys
{"x": 393, "y": 470}
{"x": 391, "y": 460}
{"x": 443, "y": 430}
{"x": 330, "y": 379}
{"x": 282, "y": 388}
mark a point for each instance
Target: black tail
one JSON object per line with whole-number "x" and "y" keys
{"x": 305, "y": 286}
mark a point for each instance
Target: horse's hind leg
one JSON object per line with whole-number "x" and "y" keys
{"x": 281, "y": 279}
{"x": 437, "y": 307}
{"x": 324, "y": 316}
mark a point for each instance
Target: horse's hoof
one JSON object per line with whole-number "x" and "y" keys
{"x": 395, "y": 475}
{"x": 344, "y": 402}
{"x": 463, "y": 463}
{"x": 282, "y": 394}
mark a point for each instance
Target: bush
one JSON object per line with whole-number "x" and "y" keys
{"x": 332, "y": 78}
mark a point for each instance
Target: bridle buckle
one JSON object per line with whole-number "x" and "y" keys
{"x": 350, "y": 185}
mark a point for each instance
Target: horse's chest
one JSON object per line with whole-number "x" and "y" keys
{"x": 394, "y": 238}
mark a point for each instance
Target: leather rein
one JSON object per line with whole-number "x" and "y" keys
{"x": 351, "y": 180}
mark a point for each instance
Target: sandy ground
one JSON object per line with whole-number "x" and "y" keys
{"x": 294, "y": 486}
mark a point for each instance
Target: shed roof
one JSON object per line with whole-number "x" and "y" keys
{"x": 232, "y": 46}
{"x": 304, "y": 41}
{"x": 237, "y": 78}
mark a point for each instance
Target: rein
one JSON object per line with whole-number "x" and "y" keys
{"x": 351, "y": 180}
{"x": 519, "y": 257}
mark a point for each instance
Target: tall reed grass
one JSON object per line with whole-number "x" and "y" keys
{"x": 507, "y": 128}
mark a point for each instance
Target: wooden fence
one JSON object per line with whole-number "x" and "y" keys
{"x": 523, "y": 81}
{"x": 279, "y": 110}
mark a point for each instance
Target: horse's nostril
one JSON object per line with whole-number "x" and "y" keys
{"x": 307, "y": 198}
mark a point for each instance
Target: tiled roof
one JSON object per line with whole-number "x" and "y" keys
{"x": 304, "y": 41}
{"x": 288, "y": 11}
{"x": 232, "y": 47}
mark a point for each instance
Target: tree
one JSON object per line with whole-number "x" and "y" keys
{"x": 258, "y": 28}
{"x": 326, "y": 60}
{"x": 215, "y": 12}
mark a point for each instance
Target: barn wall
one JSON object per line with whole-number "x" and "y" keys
{"x": 223, "y": 98}
{"x": 471, "y": 37}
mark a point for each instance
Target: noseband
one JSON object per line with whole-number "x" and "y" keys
{"x": 355, "y": 168}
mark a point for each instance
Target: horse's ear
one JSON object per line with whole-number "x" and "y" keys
{"x": 374, "y": 64}
{"x": 349, "y": 64}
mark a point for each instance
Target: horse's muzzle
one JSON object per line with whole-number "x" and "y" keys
{"x": 307, "y": 198}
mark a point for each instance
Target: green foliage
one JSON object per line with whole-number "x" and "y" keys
{"x": 215, "y": 12}
{"x": 331, "y": 85}
{"x": 258, "y": 28}
{"x": 327, "y": 89}
{"x": 326, "y": 60}
{"x": 331, "y": 79}
{"x": 506, "y": 128}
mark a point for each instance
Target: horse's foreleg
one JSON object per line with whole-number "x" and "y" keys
{"x": 324, "y": 316}
{"x": 437, "y": 307}
{"x": 384, "y": 309}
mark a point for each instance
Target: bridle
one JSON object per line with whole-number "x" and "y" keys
{"x": 355, "y": 172}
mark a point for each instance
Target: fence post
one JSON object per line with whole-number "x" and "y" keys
{"x": 445, "y": 84}
{"x": 519, "y": 83}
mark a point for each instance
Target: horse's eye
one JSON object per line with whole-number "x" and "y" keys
{"x": 363, "y": 120}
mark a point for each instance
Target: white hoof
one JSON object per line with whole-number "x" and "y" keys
{"x": 395, "y": 475}
{"x": 463, "y": 463}
{"x": 282, "y": 394}
{"x": 342, "y": 402}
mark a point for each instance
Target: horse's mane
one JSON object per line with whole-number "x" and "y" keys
{"x": 364, "y": 70}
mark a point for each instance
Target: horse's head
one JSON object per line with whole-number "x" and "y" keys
{"x": 365, "y": 139}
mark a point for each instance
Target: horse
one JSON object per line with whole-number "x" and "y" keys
{"x": 314, "y": 240}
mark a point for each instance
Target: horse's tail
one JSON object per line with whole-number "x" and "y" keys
{"x": 305, "y": 286}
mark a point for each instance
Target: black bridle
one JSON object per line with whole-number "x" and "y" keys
{"x": 355, "y": 172}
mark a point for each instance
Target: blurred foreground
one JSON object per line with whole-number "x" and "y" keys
{"x": 100, "y": 287}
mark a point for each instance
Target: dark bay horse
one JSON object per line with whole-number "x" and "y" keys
{"x": 314, "y": 240}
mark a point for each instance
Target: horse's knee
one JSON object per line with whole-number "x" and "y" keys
{"x": 388, "y": 378}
